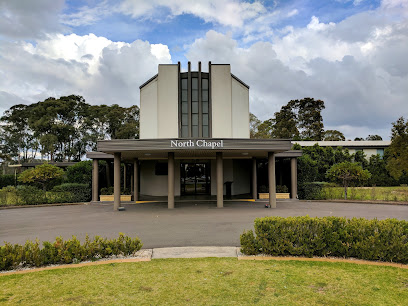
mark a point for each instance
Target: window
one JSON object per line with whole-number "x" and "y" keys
{"x": 205, "y": 108}
{"x": 380, "y": 152}
{"x": 194, "y": 105}
{"x": 184, "y": 108}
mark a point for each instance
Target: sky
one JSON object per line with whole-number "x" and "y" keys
{"x": 352, "y": 54}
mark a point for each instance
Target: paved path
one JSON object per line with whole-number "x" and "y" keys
{"x": 198, "y": 224}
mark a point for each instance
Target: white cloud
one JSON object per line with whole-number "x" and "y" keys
{"x": 225, "y": 12}
{"x": 29, "y": 19}
{"x": 95, "y": 67}
{"x": 86, "y": 15}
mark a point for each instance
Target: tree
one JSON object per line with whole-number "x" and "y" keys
{"x": 398, "y": 150}
{"x": 41, "y": 174}
{"x": 309, "y": 118}
{"x": 18, "y": 138}
{"x": 254, "y": 122}
{"x": 379, "y": 174}
{"x": 374, "y": 137}
{"x": 285, "y": 123}
{"x": 358, "y": 139}
{"x": 80, "y": 173}
{"x": 333, "y": 135}
{"x": 347, "y": 173}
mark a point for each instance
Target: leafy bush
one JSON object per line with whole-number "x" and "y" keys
{"x": 311, "y": 190}
{"x": 43, "y": 175}
{"x": 73, "y": 192}
{"x": 30, "y": 195}
{"x": 109, "y": 191}
{"x": 282, "y": 189}
{"x": 7, "y": 180}
{"x": 63, "y": 252}
{"x": 80, "y": 173}
{"x": 384, "y": 240}
{"x": 8, "y": 195}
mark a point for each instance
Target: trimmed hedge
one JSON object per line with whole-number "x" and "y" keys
{"x": 64, "y": 252}
{"x": 31, "y": 195}
{"x": 74, "y": 192}
{"x": 383, "y": 240}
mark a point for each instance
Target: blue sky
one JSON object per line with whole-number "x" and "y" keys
{"x": 351, "y": 54}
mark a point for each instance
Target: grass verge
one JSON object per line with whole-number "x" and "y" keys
{"x": 396, "y": 194}
{"x": 210, "y": 281}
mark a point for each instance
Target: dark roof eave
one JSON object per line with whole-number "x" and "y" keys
{"x": 240, "y": 81}
{"x": 148, "y": 81}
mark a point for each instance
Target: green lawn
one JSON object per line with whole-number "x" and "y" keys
{"x": 210, "y": 281}
{"x": 367, "y": 193}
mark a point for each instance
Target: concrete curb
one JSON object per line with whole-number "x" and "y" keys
{"x": 203, "y": 252}
{"x": 43, "y": 205}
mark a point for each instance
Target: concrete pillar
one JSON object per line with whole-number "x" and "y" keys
{"x": 136, "y": 180}
{"x": 170, "y": 180}
{"x": 293, "y": 177}
{"x": 272, "y": 180}
{"x": 254, "y": 179}
{"x": 95, "y": 180}
{"x": 220, "y": 180}
{"x": 116, "y": 181}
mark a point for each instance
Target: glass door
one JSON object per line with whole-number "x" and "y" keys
{"x": 195, "y": 178}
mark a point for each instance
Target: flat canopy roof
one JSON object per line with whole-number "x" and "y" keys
{"x": 194, "y": 148}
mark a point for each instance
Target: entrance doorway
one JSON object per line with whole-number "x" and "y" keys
{"x": 195, "y": 178}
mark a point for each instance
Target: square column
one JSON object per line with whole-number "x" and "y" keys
{"x": 136, "y": 180}
{"x": 95, "y": 180}
{"x": 170, "y": 181}
{"x": 116, "y": 180}
{"x": 254, "y": 179}
{"x": 220, "y": 180}
{"x": 293, "y": 177}
{"x": 272, "y": 180}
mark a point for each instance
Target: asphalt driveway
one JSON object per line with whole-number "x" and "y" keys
{"x": 190, "y": 224}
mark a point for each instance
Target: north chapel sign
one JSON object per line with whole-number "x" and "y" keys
{"x": 200, "y": 143}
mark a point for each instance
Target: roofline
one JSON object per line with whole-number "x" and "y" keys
{"x": 240, "y": 81}
{"x": 148, "y": 81}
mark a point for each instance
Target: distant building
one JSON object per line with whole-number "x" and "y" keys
{"x": 370, "y": 148}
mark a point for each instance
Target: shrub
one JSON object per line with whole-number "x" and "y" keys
{"x": 30, "y": 195}
{"x": 63, "y": 252}
{"x": 8, "y": 195}
{"x": 311, "y": 190}
{"x": 80, "y": 173}
{"x": 109, "y": 191}
{"x": 282, "y": 189}
{"x": 72, "y": 192}
{"x": 43, "y": 175}
{"x": 384, "y": 240}
{"x": 7, "y": 180}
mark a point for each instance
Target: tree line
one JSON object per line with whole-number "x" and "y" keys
{"x": 63, "y": 129}
{"x": 298, "y": 120}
